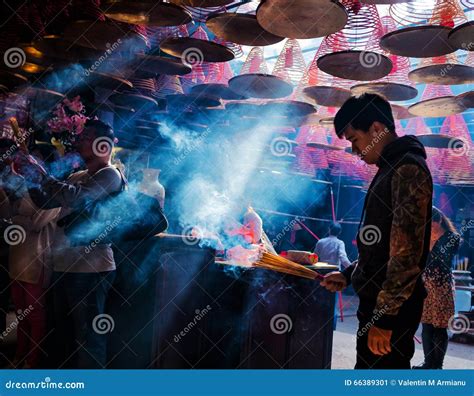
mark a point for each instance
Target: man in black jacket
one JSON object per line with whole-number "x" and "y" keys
{"x": 393, "y": 238}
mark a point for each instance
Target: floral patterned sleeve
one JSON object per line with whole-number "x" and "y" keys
{"x": 412, "y": 191}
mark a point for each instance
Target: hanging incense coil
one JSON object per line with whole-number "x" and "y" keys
{"x": 395, "y": 86}
{"x": 147, "y": 13}
{"x": 303, "y": 20}
{"x": 433, "y": 12}
{"x": 437, "y": 101}
{"x": 418, "y": 42}
{"x": 445, "y": 70}
{"x": 354, "y": 53}
{"x": 204, "y": 51}
{"x": 290, "y": 65}
{"x": 462, "y": 36}
{"x": 241, "y": 29}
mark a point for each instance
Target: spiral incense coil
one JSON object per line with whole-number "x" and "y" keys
{"x": 434, "y": 12}
{"x": 361, "y": 25}
{"x": 255, "y": 62}
{"x": 290, "y": 65}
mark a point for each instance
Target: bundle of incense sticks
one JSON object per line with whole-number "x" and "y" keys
{"x": 17, "y": 134}
{"x": 280, "y": 264}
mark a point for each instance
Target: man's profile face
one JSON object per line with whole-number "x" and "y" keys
{"x": 84, "y": 143}
{"x": 367, "y": 145}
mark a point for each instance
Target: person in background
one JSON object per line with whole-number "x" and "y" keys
{"x": 30, "y": 270}
{"x": 331, "y": 249}
{"x": 394, "y": 234}
{"x": 438, "y": 308}
{"x": 83, "y": 275}
{"x": 9, "y": 189}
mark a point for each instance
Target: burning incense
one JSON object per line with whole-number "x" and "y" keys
{"x": 280, "y": 264}
{"x": 18, "y": 135}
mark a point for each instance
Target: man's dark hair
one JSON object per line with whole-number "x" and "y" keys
{"x": 335, "y": 229}
{"x": 360, "y": 112}
{"x": 100, "y": 129}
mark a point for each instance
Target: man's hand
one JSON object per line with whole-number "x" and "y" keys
{"x": 379, "y": 341}
{"x": 334, "y": 281}
{"x": 26, "y": 166}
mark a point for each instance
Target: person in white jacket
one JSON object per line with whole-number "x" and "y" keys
{"x": 29, "y": 237}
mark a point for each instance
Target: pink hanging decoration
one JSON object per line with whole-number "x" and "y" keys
{"x": 436, "y": 91}
{"x": 314, "y": 76}
{"x": 200, "y": 70}
{"x": 401, "y": 64}
{"x": 255, "y": 62}
{"x": 290, "y": 64}
{"x": 168, "y": 85}
{"x": 362, "y": 24}
{"x": 457, "y": 161}
{"x": 421, "y": 12}
{"x": 309, "y": 159}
